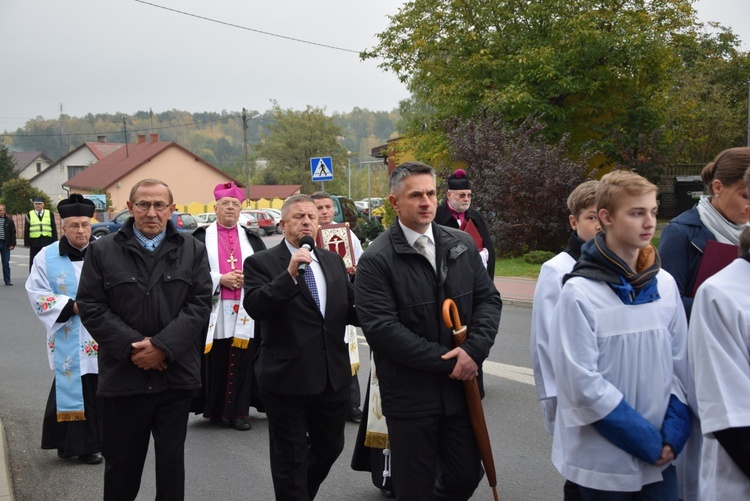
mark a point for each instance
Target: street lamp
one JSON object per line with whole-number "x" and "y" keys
{"x": 244, "y": 136}
{"x": 349, "y": 172}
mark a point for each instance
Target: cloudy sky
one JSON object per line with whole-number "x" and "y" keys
{"x": 95, "y": 56}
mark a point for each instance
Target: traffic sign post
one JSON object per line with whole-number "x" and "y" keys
{"x": 321, "y": 169}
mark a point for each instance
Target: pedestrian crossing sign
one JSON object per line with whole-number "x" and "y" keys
{"x": 321, "y": 168}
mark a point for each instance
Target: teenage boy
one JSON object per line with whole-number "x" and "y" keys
{"x": 619, "y": 356}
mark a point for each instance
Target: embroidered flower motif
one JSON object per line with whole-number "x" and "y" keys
{"x": 90, "y": 348}
{"x": 67, "y": 363}
{"x": 45, "y": 303}
{"x": 51, "y": 343}
{"x": 236, "y": 308}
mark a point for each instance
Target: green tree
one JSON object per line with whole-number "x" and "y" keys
{"x": 7, "y": 163}
{"x": 17, "y": 195}
{"x": 588, "y": 69}
{"x": 295, "y": 137}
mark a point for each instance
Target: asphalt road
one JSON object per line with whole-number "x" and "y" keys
{"x": 226, "y": 464}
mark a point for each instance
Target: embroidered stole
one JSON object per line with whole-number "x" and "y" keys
{"x": 68, "y": 386}
{"x": 377, "y": 428}
{"x": 245, "y": 325}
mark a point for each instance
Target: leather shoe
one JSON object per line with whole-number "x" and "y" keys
{"x": 62, "y": 456}
{"x": 354, "y": 415}
{"x": 241, "y": 424}
{"x": 9, "y": 283}
{"x": 93, "y": 458}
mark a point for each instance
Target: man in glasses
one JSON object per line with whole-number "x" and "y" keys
{"x": 456, "y": 212}
{"x": 145, "y": 294}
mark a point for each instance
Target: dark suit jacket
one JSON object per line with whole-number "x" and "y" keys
{"x": 444, "y": 217}
{"x": 300, "y": 349}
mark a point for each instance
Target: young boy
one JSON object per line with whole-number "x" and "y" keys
{"x": 585, "y": 224}
{"x": 619, "y": 356}
{"x": 719, "y": 347}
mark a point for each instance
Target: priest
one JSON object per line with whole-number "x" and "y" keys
{"x": 227, "y": 375}
{"x": 456, "y": 212}
{"x": 72, "y": 419}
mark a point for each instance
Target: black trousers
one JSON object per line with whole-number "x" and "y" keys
{"x": 306, "y": 435}
{"x": 128, "y": 425}
{"x": 422, "y": 446}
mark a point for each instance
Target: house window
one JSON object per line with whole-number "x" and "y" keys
{"x": 74, "y": 170}
{"x": 39, "y": 166}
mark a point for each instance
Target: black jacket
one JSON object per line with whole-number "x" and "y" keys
{"x": 444, "y": 217}
{"x": 399, "y": 301}
{"x": 300, "y": 349}
{"x": 120, "y": 303}
{"x": 10, "y": 231}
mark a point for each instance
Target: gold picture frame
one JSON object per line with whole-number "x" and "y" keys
{"x": 337, "y": 238}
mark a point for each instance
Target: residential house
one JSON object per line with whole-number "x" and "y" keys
{"x": 29, "y": 163}
{"x": 190, "y": 178}
{"x": 52, "y": 179}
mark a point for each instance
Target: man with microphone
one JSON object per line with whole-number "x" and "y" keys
{"x": 303, "y": 300}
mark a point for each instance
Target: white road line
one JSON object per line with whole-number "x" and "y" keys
{"x": 513, "y": 372}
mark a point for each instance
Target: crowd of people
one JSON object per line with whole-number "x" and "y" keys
{"x": 640, "y": 360}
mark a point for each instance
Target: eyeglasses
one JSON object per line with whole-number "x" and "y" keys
{"x": 146, "y": 206}
{"x": 76, "y": 226}
{"x": 228, "y": 203}
{"x": 463, "y": 195}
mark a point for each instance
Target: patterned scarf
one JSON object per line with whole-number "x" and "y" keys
{"x": 598, "y": 262}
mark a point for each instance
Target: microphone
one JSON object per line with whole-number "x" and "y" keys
{"x": 308, "y": 243}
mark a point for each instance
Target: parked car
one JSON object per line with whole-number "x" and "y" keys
{"x": 363, "y": 206}
{"x": 204, "y": 219}
{"x": 344, "y": 210}
{"x": 276, "y": 214}
{"x": 265, "y": 221}
{"x": 183, "y": 221}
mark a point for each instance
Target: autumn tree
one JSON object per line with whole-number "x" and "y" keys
{"x": 588, "y": 68}
{"x": 292, "y": 140}
{"x": 520, "y": 181}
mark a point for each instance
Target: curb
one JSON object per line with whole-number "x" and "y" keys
{"x": 6, "y": 482}
{"x": 521, "y": 303}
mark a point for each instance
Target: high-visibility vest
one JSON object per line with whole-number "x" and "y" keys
{"x": 40, "y": 227}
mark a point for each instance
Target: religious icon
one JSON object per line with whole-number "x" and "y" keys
{"x": 337, "y": 238}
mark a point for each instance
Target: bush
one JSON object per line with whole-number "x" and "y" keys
{"x": 520, "y": 182}
{"x": 538, "y": 257}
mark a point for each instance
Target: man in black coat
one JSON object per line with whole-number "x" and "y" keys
{"x": 402, "y": 280}
{"x": 144, "y": 296}
{"x": 456, "y": 212}
{"x": 302, "y": 367}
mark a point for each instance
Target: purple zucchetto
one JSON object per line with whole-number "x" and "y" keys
{"x": 459, "y": 181}
{"x": 76, "y": 206}
{"x": 228, "y": 190}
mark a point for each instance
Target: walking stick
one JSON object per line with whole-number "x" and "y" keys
{"x": 473, "y": 399}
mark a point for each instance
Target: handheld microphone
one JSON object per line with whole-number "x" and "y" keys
{"x": 308, "y": 243}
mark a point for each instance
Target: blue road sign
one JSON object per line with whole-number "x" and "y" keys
{"x": 321, "y": 168}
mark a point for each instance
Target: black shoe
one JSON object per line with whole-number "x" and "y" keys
{"x": 60, "y": 453}
{"x": 9, "y": 283}
{"x": 385, "y": 492}
{"x": 241, "y": 424}
{"x": 93, "y": 458}
{"x": 354, "y": 415}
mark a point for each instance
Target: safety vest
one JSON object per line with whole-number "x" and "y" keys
{"x": 40, "y": 227}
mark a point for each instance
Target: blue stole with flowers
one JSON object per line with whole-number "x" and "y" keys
{"x": 68, "y": 386}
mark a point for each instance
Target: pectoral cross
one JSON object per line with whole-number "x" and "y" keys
{"x": 231, "y": 260}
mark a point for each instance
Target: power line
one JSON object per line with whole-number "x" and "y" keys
{"x": 249, "y": 29}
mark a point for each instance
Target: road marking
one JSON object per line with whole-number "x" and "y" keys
{"x": 513, "y": 372}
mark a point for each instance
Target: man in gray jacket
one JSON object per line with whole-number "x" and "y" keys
{"x": 402, "y": 280}
{"x": 144, "y": 296}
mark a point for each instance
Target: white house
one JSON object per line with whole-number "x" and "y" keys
{"x": 52, "y": 179}
{"x": 29, "y": 163}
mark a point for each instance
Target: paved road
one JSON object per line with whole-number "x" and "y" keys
{"x": 231, "y": 465}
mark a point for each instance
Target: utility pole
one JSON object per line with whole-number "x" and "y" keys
{"x": 125, "y": 133}
{"x": 244, "y": 145}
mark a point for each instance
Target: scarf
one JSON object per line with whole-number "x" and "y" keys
{"x": 598, "y": 262}
{"x": 68, "y": 386}
{"x": 725, "y": 231}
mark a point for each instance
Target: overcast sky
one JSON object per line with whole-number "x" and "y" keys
{"x": 95, "y": 56}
